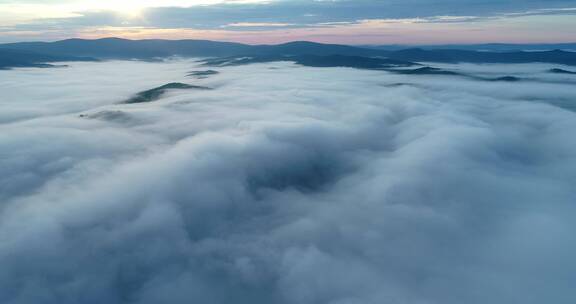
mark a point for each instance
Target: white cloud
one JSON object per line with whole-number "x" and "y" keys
{"x": 286, "y": 185}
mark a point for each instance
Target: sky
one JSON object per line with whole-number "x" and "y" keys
{"x": 276, "y": 21}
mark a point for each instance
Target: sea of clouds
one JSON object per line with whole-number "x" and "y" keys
{"x": 287, "y": 185}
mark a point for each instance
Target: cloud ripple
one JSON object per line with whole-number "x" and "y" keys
{"x": 285, "y": 184}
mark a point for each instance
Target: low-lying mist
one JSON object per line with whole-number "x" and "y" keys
{"x": 286, "y": 184}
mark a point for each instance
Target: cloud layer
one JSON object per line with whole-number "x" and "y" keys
{"x": 286, "y": 185}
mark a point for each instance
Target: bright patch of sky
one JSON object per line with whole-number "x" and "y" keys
{"x": 344, "y": 21}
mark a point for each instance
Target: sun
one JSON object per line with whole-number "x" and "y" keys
{"x": 130, "y": 13}
{"x": 127, "y": 9}
{"x": 135, "y": 9}
{"x": 132, "y": 9}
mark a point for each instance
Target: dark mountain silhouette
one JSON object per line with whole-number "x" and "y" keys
{"x": 561, "y": 71}
{"x": 202, "y": 74}
{"x": 369, "y": 63}
{"x": 18, "y": 58}
{"x": 507, "y": 79}
{"x": 493, "y": 47}
{"x": 115, "y": 48}
{"x": 315, "y": 61}
{"x": 459, "y": 56}
{"x": 312, "y": 48}
{"x": 351, "y": 61}
{"x": 436, "y": 71}
{"x": 427, "y": 71}
{"x": 156, "y": 93}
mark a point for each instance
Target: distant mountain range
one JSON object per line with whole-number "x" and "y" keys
{"x": 115, "y": 48}
{"x": 39, "y": 54}
{"x": 458, "y": 56}
{"x": 492, "y": 47}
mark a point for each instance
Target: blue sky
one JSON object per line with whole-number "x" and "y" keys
{"x": 339, "y": 21}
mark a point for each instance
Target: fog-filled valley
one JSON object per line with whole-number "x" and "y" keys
{"x": 280, "y": 183}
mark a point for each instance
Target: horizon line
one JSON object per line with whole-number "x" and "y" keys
{"x": 293, "y": 41}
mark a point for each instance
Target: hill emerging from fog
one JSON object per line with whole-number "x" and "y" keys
{"x": 22, "y": 58}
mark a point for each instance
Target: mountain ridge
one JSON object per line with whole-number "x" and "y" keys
{"x": 151, "y": 49}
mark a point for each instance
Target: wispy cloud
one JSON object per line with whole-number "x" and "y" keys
{"x": 279, "y": 15}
